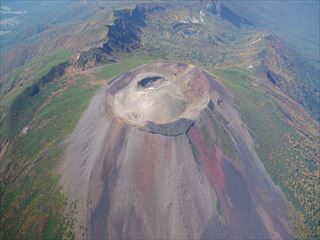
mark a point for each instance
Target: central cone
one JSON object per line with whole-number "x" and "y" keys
{"x": 162, "y": 153}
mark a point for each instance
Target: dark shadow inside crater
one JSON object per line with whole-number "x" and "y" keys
{"x": 175, "y": 128}
{"x": 149, "y": 82}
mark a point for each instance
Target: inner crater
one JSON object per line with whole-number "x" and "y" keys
{"x": 149, "y": 82}
{"x": 159, "y": 93}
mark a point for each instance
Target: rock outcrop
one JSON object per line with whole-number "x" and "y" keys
{"x": 94, "y": 57}
{"x": 124, "y": 34}
{"x": 216, "y": 7}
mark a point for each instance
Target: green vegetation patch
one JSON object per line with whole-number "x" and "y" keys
{"x": 33, "y": 204}
{"x": 15, "y": 112}
{"x": 27, "y": 74}
{"x": 279, "y": 146}
{"x": 48, "y": 61}
{"x": 32, "y": 200}
{"x": 126, "y": 64}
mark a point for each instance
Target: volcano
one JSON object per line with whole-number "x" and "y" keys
{"x": 162, "y": 153}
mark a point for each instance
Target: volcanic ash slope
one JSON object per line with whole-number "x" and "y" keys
{"x": 146, "y": 162}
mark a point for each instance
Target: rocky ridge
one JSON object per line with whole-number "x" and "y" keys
{"x": 291, "y": 72}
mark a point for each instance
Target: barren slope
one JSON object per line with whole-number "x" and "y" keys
{"x": 134, "y": 175}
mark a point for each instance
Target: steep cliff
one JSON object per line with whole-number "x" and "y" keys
{"x": 124, "y": 33}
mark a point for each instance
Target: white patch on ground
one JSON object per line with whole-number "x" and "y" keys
{"x": 255, "y": 41}
{"x": 183, "y": 21}
{"x": 201, "y": 16}
{"x": 194, "y": 20}
{"x": 25, "y": 130}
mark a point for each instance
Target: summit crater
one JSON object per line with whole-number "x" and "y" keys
{"x": 159, "y": 96}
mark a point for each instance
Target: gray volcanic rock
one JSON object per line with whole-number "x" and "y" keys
{"x": 94, "y": 57}
{"x": 151, "y": 163}
{"x": 175, "y": 128}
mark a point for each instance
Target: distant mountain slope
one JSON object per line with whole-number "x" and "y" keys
{"x": 75, "y": 25}
{"x": 182, "y": 36}
{"x": 292, "y": 73}
{"x": 298, "y": 22}
{"x": 217, "y": 7}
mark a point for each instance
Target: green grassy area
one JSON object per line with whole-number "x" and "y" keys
{"x": 33, "y": 203}
{"x": 32, "y": 200}
{"x": 36, "y": 70}
{"x": 48, "y": 61}
{"x": 33, "y": 70}
{"x": 24, "y": 107}
{"x": 127, "y": 63}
